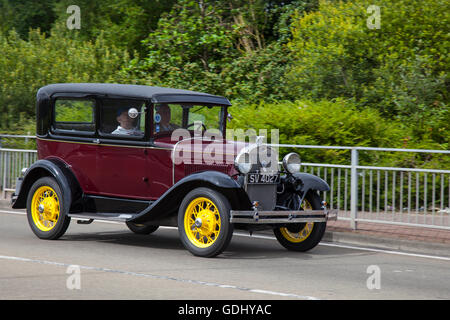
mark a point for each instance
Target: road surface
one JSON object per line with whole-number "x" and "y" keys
{"x": 106, "y": 261}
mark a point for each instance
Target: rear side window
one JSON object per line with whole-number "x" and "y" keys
{"x": 75, "y": 115}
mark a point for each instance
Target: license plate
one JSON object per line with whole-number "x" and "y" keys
{"x": 258, "y": 178}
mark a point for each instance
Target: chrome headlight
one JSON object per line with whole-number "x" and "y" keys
{"x": 243, "y": 163}
{"x": 257, "y": 158}
{"x": 291, "y": 162}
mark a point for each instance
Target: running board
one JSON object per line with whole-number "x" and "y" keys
{"x": 119, "y": 217}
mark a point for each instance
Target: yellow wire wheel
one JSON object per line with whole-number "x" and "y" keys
{"x": 302, "y": 236}
{"x": 45, "y": 209}
{"x": 299, "y": 236}
{"x": 303, "y": 233}
{"x": 203, "y": 222}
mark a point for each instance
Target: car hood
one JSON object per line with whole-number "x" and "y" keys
{"x": 210, "y": 151}
{"x": 202, "y": 150}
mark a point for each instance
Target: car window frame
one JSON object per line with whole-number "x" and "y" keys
{"x": 122, "y": 137}
{"x": 58, "y": 131}
{"x": 185, "y": 115}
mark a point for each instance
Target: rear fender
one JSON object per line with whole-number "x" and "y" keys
{"x": 48, "y": 168}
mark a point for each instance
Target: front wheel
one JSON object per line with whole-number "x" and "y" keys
{"x": 303, "y": 236}
{"x": 204, "y": 222}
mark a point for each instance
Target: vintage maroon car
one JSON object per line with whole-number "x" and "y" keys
{"x": 151, "y": 156}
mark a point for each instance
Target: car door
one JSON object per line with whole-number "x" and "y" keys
{"x": 122, "y": 155}
{"x": 71, "y": 138}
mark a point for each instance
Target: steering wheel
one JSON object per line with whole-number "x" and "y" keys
{"x": 192, "y": 124}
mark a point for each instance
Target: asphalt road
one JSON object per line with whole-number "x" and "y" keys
{"x": 106, "y": 261}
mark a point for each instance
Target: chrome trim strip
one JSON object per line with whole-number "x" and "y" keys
{"x": 94, "y": 143}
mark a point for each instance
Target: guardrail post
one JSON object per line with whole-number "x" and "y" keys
{"x": 354, "y": 189}
{"x": 5, "y": 167}
{"x": 2, "y": 185}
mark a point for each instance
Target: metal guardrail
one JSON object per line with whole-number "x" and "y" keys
{"x": 389, "y": 195}
{"x": 11, "y": 163}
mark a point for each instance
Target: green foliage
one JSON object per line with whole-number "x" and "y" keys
{"x": 74, "y": 111}
{"x": 338, "y": 123}
{"x": 123, "y": 23}
{"x": 400, "y": 69}
{"x": 221, "y": 47}
{"x": 188, "y": 49}
{"x": 26, "y": 14}
{"x": 258, "y": 76}
{"x": 25, "y": 66}
{"x": 311, "y": 68}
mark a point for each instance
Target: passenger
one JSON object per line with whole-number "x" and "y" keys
{"x": 126, "y": 124}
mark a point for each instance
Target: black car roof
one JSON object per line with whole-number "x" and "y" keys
{"x": 155, "y": 94}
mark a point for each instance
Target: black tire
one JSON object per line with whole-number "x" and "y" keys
{"x": 213, "y": 233}
{"x": 56, "y": 202}
{"x": 303, "y": 236}
{"x": 141, "y": 228}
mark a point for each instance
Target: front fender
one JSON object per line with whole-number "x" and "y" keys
{"x": 310, "y": 182}
{"x": 46, "y": 168}
{"x": 169, "y": 202}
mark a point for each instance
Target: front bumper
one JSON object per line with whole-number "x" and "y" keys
{"x": 282, "y": 217}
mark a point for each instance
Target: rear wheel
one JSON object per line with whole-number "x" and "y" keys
{"x": 204, "y": 222}
{"x": 141, "y": 228}
{"x": 303, "y": 236}
{"x": 46, "y": 210}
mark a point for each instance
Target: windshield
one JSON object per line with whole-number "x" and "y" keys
{"x": 169, "y": 117}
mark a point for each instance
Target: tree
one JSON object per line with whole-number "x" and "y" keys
{"x": 222, "y": 47}
{"x": 123, "y": 23}
{"x": 189, "y": 48}
{"x": 27, "y": 65}
{"x": 401, "y": 69}
{"x": 25, "y": 15}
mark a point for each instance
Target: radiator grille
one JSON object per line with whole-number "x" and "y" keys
{"x": 265, "y": 194}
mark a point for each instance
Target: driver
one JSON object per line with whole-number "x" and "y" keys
{"x": 164, "y": 124}
{"x": 126, "y": 124}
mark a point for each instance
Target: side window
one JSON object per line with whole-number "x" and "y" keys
{"x": 74, "y": 115}
{"x": 204, "y": 117}
{"x": 115, "y": 119}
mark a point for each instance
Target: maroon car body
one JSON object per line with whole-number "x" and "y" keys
{"x": 97, "y": 171}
